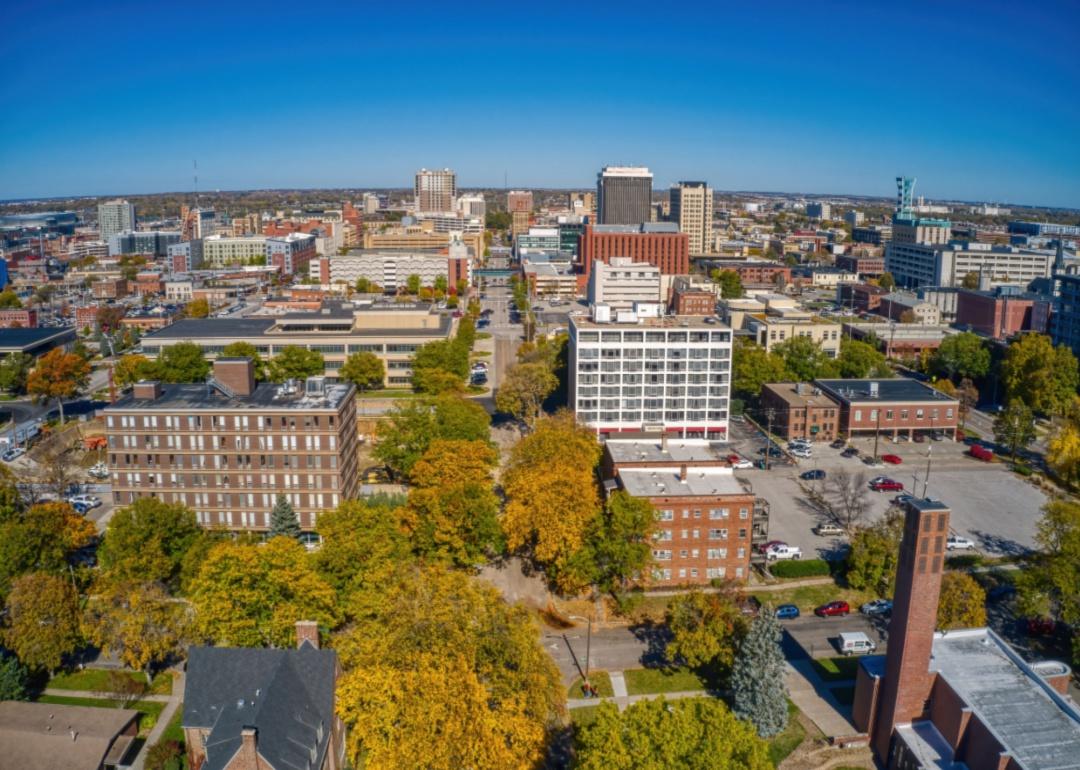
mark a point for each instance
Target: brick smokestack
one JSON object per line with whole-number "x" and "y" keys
{"x": 906, "y": 685}
{"x": 307, "y": 631}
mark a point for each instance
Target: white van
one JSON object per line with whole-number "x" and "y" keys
{"x": 856, "y": 643}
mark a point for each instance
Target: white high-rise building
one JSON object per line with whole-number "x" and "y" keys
{"x": 692, "y": 208}
{"x": 116, "y": 216}
{"x": 435, "y": 191}
{"x": 663, "y": 373}
{"x": 623, "y": 282}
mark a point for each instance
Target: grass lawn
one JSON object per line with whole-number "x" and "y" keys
{"x": 583, "y": 716}
{"x": 483, "y": 335}
{"x": 781, "y": 745}
{"x": 643, "y": 681}
{"x": 839, "y": 669}
{"x": 844, "y": 695}
{"x": 480, "y": 353}
{"x": 150, "y": 710}
{"x": 173, "y": 731}
{"x": 94, "y": 680}
{"x": 387, "y": 393}
{"x": 600, "y": 680}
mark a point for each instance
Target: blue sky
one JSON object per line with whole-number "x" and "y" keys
{"x": 976, "y": 99}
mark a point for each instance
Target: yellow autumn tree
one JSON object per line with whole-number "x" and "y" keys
{"x": 251, "y": 595}
{"x": 1063, "y": 448}
{"x": 445, "y": 675}
{"x": 962, "y": 603}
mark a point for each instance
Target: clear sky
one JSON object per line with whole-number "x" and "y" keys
{"x": 979, "y": 100}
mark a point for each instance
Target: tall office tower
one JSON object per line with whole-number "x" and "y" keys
{"x": 624, "y": 195}
{"x": 692, "y": 208}
{"x": 115, "y": 217}
{"x": 435, "y": 190}
{"x": 905, "y": 194}
{"x": 371, "y": 203}
{"x": 519, "y": 200}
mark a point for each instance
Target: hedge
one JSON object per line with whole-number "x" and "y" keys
{"x": 800, "y": 568}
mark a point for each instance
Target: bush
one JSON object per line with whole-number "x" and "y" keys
{"x": 165, "y": 755}
{"x": 1023, "y": 470}
{"x": 799, "y": 568}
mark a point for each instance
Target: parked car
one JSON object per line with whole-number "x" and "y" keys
{"x": 919, "y": 438}
{"x": 781, "y": 552}
{"x": 886, "y": 485}
{"x": 892, "y": 459}
{"x": 772, "y": 451}
{"x": 376, "y": 474}
{"x": 814, "y": 475}
{"x": 838, "y": 444}
{"x": 937, "y": 435}
{"x": 900, "y": 438}
{"x": 802, "y": 453}
{"x": 827, "y": 530}
{"x": 850, "y": 452}
{"x": 971, "y": 440}
{"x": 13, "y": 454}
{"x": 832, "y": 609}
{"x": 1040, "y": 626}
{"x": 772, "y": 543}
{"x": 979, "y": 452}
{"x": 741, "y": 463}
{"x": 799, "y": 442}
{"x": 855, "y": 643}
{"x": 876, "y": 607}
{"x": 957, "y": 543}
{"x": 901, "y": 499}
{"x": 787, "y": 611}
{"x": 81, "y": 508}
{"x": 92, "y": 500}
{"x": 873, "y": 462}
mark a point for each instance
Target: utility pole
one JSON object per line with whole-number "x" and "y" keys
{"x": 769, "y": 414}
{"x": 877, "y": 433}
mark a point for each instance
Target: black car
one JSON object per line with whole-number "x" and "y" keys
{"x": 850, "y": 452}
{"x": 815, "y": 475}
{"x": 838, "y": 444}
{"x": 772, "y": 451}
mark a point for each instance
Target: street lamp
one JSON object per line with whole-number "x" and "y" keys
{"x": 588, "y": 649}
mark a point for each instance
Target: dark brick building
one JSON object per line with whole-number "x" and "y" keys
{"x": 864, "y": 266}
{"x": 800, "y": 410}
{"x": 658, "y": 244}
{"x": 999, "y": 315}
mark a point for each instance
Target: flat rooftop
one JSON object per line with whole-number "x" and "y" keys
{"x": 667, "y": 322}
{"x": 652, "y": 451}
{"x": 266, "y": 396}
{"x": 896, "y": 389}
{"x": 789, "y": 392}
{"x": 665, "y": 482}
{"x": 1038, "y": 727}
{"x": 231, "y": 329}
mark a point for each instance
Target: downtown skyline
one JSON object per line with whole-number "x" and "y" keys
{"x": 835, "y": 102}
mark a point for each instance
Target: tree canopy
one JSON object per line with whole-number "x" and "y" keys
{"x": 962, "y": 603}
{"x": 523, "y": 390}
{"x": 365, "y": 370}
{"x": 705, "y": 629}
{"x": 41, "y": 624}
{"x": 182, "y": 362}
{"x": 874, "y": 554}
{"x": 1050, "y": 583}
{"x": 805, "y": 360}
{"x": 754, "y": 367}
{"x": 58, "y": 375}
{"x": 1014, "y": 427}
{"x": 961, "y": 355}
{"x": 412, "y": 425}
{"x": 860, "y": 359}
{"x": 729, "y": 282}
{"x": 757, "y": 679}
{"x": 147, "y": 541}
{"x": 40, "y": 539}
{"x": 1042, "y": 376}
{"x": 296, "y": 363}
{"x": 241, "y": 349}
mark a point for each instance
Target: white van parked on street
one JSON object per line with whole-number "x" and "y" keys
{"x": 856, "y": 643}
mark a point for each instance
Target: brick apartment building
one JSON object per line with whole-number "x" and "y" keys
{"x": 693, "y": 302}
{"x": 753, "y": 273}
{"x": 109, "y": 288}
{"x": 897, "y": 406}
{"x": 659, "y": 244}
{"x": 707, "y": 521}
{"x": 229, "y": 447}
{"x": 149, "y": 283}
{"x": 1000, "y": 315}
{"x": 800, "y": 410}
{"x": 18, "y": 318}
{"x": 860, "y": 297}
{"x": 863, "y": 265}
{"x": 956, "y": 699}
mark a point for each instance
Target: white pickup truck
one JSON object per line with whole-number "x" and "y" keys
{"x": 778, "y": 552}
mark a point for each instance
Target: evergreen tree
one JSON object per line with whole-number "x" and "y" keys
{"x": 13, "y": 678}
{"x": 757, "y": 681}
{"x": 283, "y": 519}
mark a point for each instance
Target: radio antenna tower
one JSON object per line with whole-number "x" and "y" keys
{"x": 195, "y": 167}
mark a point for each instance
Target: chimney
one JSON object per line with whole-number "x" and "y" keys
{"x": 905, "y": 687}
{"x": 663, "y": 440}
{"x": 147, "y": 390}
{"x": 682, "y": 473}
{"x": 307, "y": 631}
{"x": 249, "y": 749}
{"x": 237, "y": 374}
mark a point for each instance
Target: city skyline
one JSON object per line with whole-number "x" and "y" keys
{"x": 794, "y": 101}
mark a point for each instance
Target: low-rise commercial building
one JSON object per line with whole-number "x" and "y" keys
{"x": 799, "y": 410}
{"x": 908, "y": 308}
{"x": 109, "y": 288}
{"x": 891, "y": 407}
{"x": 898, "y": 340}
{"x": 228, "y": 448}
{"x": 48, "y": 736}
{"x": 18, "y": 318}
{"x": 878, "y": 235}
{"x": 288, "y": 253}
{"x": 391, "y": 270}
{"x": 863, "y": 266}
{"x": 775, "y": 327}
{"x": 1001, "y": 314}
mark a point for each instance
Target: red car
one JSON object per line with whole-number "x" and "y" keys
{"x": 770, "y": 544}
{"x": 981, "y": 453}
{"x": 886, "y": 485}
{"x": 832, "y": 608}
{"x": 891, "y": 459}
{"x": 1041, "y": 626}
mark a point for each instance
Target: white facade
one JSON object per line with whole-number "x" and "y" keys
{"x": 179, "y": 289}
{"x": 623, "y": 282}
{"x": 472, "y": 206}
{"x": 915, "y": 265}
{"x": 662, "y": 372}
{"x": 692, "y": 207}
{"x": 435, "y": 190}
{"x": 115, "y": 217}
{"x": 452, "y": 223}
{"x": 390, "y": 271}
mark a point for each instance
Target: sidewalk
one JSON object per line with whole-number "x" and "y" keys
{"x": 626, "y": 700}
{"x": 817, "y": 700}
{"x": 101, "y": 696}
{"x": 174, "y": 702}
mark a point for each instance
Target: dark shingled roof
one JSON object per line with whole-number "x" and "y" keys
{"x": 287, "y": 695}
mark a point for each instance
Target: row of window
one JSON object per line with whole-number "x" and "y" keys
{"x": 635, "y": 390}
{"x": 683, "y": 573}
{"x": 655, "y": 354}
{"x": 662, "y": 535}
{"x": 288, "y": 481}
{"x": 668, "y": 336}
{"x": 714, "y": 513}
{"x": 633, "y": 404}
{"x": 694, "y": 553}
{"x": 219, "y": 462}
{"x": 239, "y": 443}
{"x": 651, "y": 416}
{"x": 220, "y": 421}
{"x": 718, "y": 377}
{"x": 920, "y": 414}
{"x": 651, "y": 366}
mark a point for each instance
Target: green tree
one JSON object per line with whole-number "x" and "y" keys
{"x": 874, "y": 553}
{"x": 1050, "y": 582}
{"x": 690, "y": 734}
{"x": 147, "y": 541}
{"x": 968, "y": 396}
{"x": 524, "y": 389}
{"x": 970, "y": 281}
{"x": 705, "y": 629}
{"x": 412, "y": 284}
{"x": 439, "y": 364}
{"x": 296, "y": 363}
{"x": 729, "y": 282}
{"x": 283, "y": 520}
{"x": 241, "y": 349}
{"x": 961, "y": 355}
{"x": 805, "y": 360}
{"x": 441, "y": 284}
{"x": 962, "y": 603}
{"x": 251, "y": 595}
{"x": 409, "y": 429}
{"x": 365, "y": 286}
{"x": 365, "y": 370}
{"x": 444, "y": 674}
{"x": 1044, "y": 377}
{"x": 1014, "y": 427}
{"x": 40, "y": 539}
{"x": 182, "y": 362}
{"x": 757, "y": 679}
{"x": 754, "y": 367}
{"x": 14, "y": 678}
{"x": 9, "y": 300}
{"x": 14, "y": 372}
{"x": 132, "y": 368}
{"x": 617, "y": 547}
{"x": 859, "y": 360}
{"x": 197, "y": 308}
{"x": 41, "y": 623}
{"x": 887, "y": 282}
{"x": 58, "y": 375}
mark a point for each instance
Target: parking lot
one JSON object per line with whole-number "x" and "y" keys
{"x": 990, "y": 505}
{"x": 819, "y": 637}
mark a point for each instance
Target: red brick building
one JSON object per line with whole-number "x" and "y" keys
{"x": 86, "y": 316}
{"x": 891, "y": 407}
{"x": 18, "y": 318}
{"x": 761, "y": 273}
{"x": 999, "y": 315}
{"x": 669, "y": 250}
{"x": 110, "y": 288}
{"x": 961, "y": 698}
{"x": 149, "y": 283}
{"x": 864, "y": 266}
{"x": 707, "y": 521}
{"x": 800, "y": 410}
{"x": 693, "y": 302}
{"x": 861, "y": 297}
